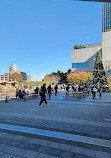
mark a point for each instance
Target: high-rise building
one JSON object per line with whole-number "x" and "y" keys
{"x": 106, "y": 16}
{"x": 13, "y": 67}
{"x": 24, "y": 75}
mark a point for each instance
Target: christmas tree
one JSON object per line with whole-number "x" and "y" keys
{"x": 98, "y": 76}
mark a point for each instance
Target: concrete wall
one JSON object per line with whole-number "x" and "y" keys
{"x": 106, "y": 50}
{"x": 85, "y": 55}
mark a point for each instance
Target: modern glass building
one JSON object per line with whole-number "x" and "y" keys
{"x": 106, "y": 16}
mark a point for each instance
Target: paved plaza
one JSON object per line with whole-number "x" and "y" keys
{"x": 68, "y": 128}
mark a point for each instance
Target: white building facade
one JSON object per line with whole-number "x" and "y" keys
{"x": 106, "y": 50}
{"x": 84, "y": 59}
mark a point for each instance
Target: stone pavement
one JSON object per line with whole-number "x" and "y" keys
{"x": 65, "y": 129}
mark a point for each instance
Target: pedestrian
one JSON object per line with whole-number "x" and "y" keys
{"x": 36, "y": 91}
{"x": 73, "y": 88}
{"x": 56, "y": 88}
{"x": 64, "y": 87}
{"x": 43, "y": 97}
{"x": 79, "y": 88}
{"x": 94, "y": 90}
{"x": 49, "y": 91}
{"x": 20, "y": 95}
{"x": 67, "y": 90}
{"x": 100, "y": 91}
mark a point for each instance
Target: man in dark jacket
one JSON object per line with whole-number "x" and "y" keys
{"x": 67, "y": 90}
{"x": 42, "y": 94}
{"x": 56, "y": 88}
{"x": 49, "y": 91}
{"x": 36, "y": 91}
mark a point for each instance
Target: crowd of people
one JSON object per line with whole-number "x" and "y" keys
{"x": 49, "y": 89}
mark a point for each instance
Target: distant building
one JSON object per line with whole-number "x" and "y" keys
{"x": 24, "y": 75}
{"x": 106, "y": 16}
{"x": 4, "y": 77}
{"x": 84, "y": 59}
{"x": 29, "y": 78}
{"x": 13, "y": 69}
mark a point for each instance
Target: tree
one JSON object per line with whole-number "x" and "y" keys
{"x": 78, "y": 46}
{"x": 59, "y": 77}
{"x": 16, "y": 77}
{"x": 51, "y": 79}
{"x": 79, "y": 77}
{"x": 98, "y": 75}
{"x": 108, "y": 30}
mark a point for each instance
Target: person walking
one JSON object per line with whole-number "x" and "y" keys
{"x": 43, "y": 97}
{"x": 36, "y": 91}
{"x": 56, "y": 88}
{"x": 73, "y": 88}
{"x": 94, "y": 90}
{"x": 100, "y": 91}
{"x": 49, "y": 91}
{"x": 67, "y": 90}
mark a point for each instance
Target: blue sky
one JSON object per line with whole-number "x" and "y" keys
{"x": 38, "y": 35}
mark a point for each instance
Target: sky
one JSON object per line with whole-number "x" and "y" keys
{"x": 38, "y": 35}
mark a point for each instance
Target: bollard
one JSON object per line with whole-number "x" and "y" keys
{"x": 6, "y": 100}
{"x": 25, "y": 98}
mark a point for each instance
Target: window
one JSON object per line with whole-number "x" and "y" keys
{"x": 80, "y": 65}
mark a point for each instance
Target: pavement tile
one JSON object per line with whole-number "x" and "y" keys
{"x": 42, "y": 149}
{"x": 3, "y": 134}
{"x": 100, "y": 154}
{"x": 79, "y": 156}
{"x": 43, "y": 142}
{"x": 54, "y": 157}
{"x": 53, "y": 152}
{"x": 66, "y": 154}
{"x": 14, "y": 137}
{"x": 10, "y": 141}
{"x": 40, "y": 155}
{"x": 26, "y": 139}
{"x": 31, "y": 154}
{"x": 76, "y": 149}
{"x": 9, "y": 156}
{"x": 22, "y": 145}
{"x": 33, "y": 141}
{"x": 54, "y": 144}
{"x": 89, "y": 152}
{"x": 65, "y": 147}
{"x": 15, "y": 151}
{"x": 33, "y": 147}
{"x": 2, "y": 147}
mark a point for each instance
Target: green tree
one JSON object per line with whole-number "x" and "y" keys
{"x": 78, "y": 46}
{"x": 98, "y": 75}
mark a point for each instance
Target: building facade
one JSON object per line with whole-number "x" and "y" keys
{"x": 24, "y": 75}
{"x": 5, "y": 77}
{"x": 84, "y": 59}
{"x": 106, "y": 17}
{"x": 12, "y": 68}
{"x": 106, "y": 50}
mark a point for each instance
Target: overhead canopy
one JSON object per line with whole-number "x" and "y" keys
{"x": 3, "y": 82}
{"x": 12, "y": 82}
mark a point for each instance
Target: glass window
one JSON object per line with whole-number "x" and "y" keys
{"x": 80, "y": 65}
